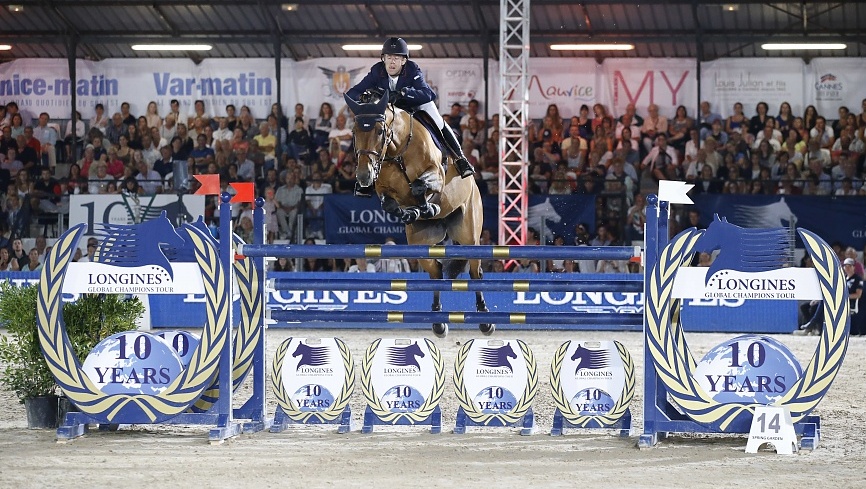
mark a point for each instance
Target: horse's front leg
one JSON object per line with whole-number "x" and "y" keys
{"x": 423, "y": 187}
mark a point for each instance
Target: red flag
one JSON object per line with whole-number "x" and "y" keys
{"x": 210, "y": 184}
{"x": 246, "y": 192}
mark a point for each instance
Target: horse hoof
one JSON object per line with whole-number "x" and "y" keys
{"x": 440, "y": 330}
{"x": 487, "y": 329}
{"x": 410, "y": 216}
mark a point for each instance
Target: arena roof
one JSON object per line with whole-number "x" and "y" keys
{"x": 99, "y": 29}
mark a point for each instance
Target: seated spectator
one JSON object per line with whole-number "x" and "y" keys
{"x": 392, "y": 265}
{"x": 660, "y": 159}
{"x": 149, "y": 180}
{"x": 761, "y": 119}
{"x": 201, "y": 156}
{"x": 98, "y": 182}
{"x": 339, "y": 139}
{"x": 706, "y": 118}
{"x": 823, "y": 132}
{"x": 99, "y": 120}
{"x": 652, "y": 126}
{"x": 736, "y": 121}
{"x": 679, "y": 127}
{"x": 574, "y": 148}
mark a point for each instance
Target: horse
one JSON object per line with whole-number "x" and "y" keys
{"x": 136, "y": 245}
{"x": 590, "y": 359}
{"x": 751, "y": 250}
{"x": 497, "y": 357}
{"x": 313, "y": 356}
{"x": 405, "y": 356}
{"x": 399, "y": 158}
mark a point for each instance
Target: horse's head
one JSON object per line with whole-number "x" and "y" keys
{"x": 718, "y": 232}
{"x": 370, "y": 137}
{"x": 161, "y": 230}
{"x": 300, "y": 350}
{"x": 414, "y": 350}
{"x": 579, "y": 353}
{"x": 508, "y": 351}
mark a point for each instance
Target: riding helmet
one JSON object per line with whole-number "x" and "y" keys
{"x": 395, "y": 45}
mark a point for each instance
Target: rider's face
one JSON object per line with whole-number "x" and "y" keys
{"x": 393, "y": 63}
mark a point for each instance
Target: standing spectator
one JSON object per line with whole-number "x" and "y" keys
{"x": 315, "y": 200}
{"x": 288, "y": 200}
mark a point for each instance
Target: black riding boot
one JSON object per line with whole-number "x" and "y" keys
{"x": 364, "y": 191}
{"x": 464, "y": 168}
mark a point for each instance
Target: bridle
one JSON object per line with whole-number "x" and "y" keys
{"x": 366, "y": 123}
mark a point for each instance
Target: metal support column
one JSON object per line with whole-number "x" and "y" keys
{"x": 513, "y": 118}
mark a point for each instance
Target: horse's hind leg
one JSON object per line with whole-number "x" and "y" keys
{"x": 434, "y": 269}
{"x": 430, "y": 233}
{"x": 475, "y": 273}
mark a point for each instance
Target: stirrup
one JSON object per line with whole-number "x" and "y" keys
{"x": 464, "y": 168}
{"x": 366, "y": 192}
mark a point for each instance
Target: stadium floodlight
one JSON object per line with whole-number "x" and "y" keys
{"x": 171, "y": 47}
{"x": 798, "y": 46}
{"x": 592, "y": 47}
{"x": 374, "y": 47}
{"x": 5, "y": 47}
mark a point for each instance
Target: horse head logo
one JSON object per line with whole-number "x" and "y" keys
{"x": 590, "y": 359}
{"x": 313, "y": 356}
{"x": 540, "y": 214}
{"x": 138, "y": 245}
{"x": 497, "y": 357}
{"x": 186, "y": 253}
{"x": 404, "y": 356}
{"x": 744, "y": 250}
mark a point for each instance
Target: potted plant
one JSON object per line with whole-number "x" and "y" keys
{"x": 25, "y": 371}
{"x": 89, "y": 320}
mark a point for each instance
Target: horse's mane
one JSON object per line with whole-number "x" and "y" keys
{"x": 119, "y": 243}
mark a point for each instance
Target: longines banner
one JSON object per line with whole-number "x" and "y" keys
{"x": 349, "y": 219}
{"x": 43, "y": 85}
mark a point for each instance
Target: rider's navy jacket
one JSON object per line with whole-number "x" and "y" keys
{"x": 411, "y": 81}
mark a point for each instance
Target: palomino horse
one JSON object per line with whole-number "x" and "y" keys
{"x": 398, "y": 156}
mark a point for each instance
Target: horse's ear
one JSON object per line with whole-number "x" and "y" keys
{"x": 716, "y": 216}
{"x": 163, "y": 215}
{"x": 382, "y": 104}
{"x": 355, "y": 107}
{"x": 725, "y": 219}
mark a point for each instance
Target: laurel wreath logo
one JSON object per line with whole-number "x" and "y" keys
{"x": 430, "y": 401}
{"x": 674, "y": 363}
{"x": 600, "y": 420}
{"x": 248, "y": 335}
{"x": 108, "y": 408}
{"x": 284, "y": 399}
{"x": 523, "y": 404}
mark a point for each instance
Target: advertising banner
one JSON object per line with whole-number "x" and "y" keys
{"x": 666, "y": 82}
{"x": 749, "y": 81}
{"x": 92, "y": 209}
{"x": 349, "y": 219}
{"x": 566, "y": 82}
{"x": 835, "y": 82}
{"x": 44, "y": 86}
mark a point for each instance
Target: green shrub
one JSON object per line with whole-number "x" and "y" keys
{"x": 89, "y": 320}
